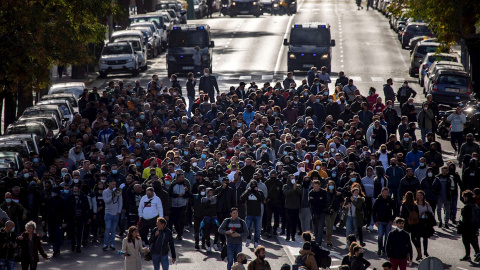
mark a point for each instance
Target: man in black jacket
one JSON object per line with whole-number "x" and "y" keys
{"x": 191, "y": 82}
{"x": 317, "y": 197}
{"x": 7, "y": 246}
{"x": 56, "y": 219}
{"x": 254, "y": 199}
{"x": 208, "y": 84}
{"x": 383, "y": 213}
{"x": 239, "y": 186}
{"x": 399, "y": 247}
{"x": 274, "y": 202}
{"x": 77, "y": 211}
{"x": 161, "y": 242}
{"x": 225, "y": 201}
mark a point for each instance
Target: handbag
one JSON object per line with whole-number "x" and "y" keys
{"x": 223, "y": 253}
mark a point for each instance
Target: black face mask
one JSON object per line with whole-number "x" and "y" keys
{"x": 244, "y": 261}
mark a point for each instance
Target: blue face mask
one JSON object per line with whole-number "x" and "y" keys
{"x": 138, "y": 140}
{"x": 63, "y": 174}
{"x": 285, "y": 153}
{"x": 406, "y": 139}
{"x": 331, "y": 187}
{"x": 12, "y": 229}
{"x": 264, "y": 145}
{"x": 355, "y": 197}
{"x": 317, "y": 100}
{"x": 36, "y": 160}
{"x": 8, "y": 200}
{"x": 422, "y": 164}
{"x": 204, "y": 156}
{"x": 26, "y": 175}
{"x": 167, "y": 182}
{"x": 329, "y": 100}
{"x": 142, "y": 117}
{"x": 239, "y": 124}
{"x": 317, "y": 84}
{"x": 179, "y": 140}
{"x": 334, "y": 174}
{"x": 114, "y": 171}
{"x": 185, "y": 153}
{"x": 138, "y": 164}
{"x": 353, "y": 179}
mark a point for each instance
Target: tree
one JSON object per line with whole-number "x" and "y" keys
{"x": 37, "y": 34}
{"x": 452, "y": 21}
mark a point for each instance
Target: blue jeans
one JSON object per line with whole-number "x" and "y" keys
{"x": 232, "y": 251}
{"x": 383, "y": 229}
{"x": 190, "y": 104}
{"x": 158, "y": 259}
{"x": 351, "y": 226}
{"x": 257, "y": 221}
{"x": 110, "y": 229}
{"x": 9, "y": 264}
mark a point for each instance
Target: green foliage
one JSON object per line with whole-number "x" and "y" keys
{"x": 36, "y": 34}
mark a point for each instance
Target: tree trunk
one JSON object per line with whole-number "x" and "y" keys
{"x": 10, "y": 109}
{"x": 473, "y": 46}
{"x": 25, "y": 99}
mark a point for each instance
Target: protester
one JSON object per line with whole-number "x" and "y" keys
{"x": 131, "y": 249}
{"x": 259, "y": 262}
{"x": 30, "y": 246}
{"x": 235, "y": 229}
{"x": 161, "y": 243}
{"x": 399, "y": 247}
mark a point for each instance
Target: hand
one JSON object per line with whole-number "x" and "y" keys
{"x": 391, "y": 223}
{"x": 94, "y": 217}
{"x": 310, "y": 198}
{"x": 194, "y": 79}
{"x": 229, "y": 232}
{"x": 181, "y": 195}
{"x": 20, "y": 238}
{"x": 46, "y": 258}
{"x": 147, "y": 250}
{"x": 185, "y": 188}
{"x": 410, "y": 263}
{"x": 43, "y": 223}
{"x": 157, "y": 233}
{"x": 376, "y": 224}
{"x": 256, "y": 188}
{"x": 294, "y": 186}
{"x": 64, "y": 225}
{"x": 235, "y": 234}
{"x": 174, "y": 259}
{"x": 413, "y": 163}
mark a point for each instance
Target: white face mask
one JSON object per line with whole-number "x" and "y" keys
{"x": 293, "y": 181}
{"x": 430, "y": 174}
{"x": 194, "y": 164}
{"x": 332, "y": 150}
{"x": 318, "y": 168}
{"x": 307, "y": 161}
{"x": 302, "y": 169}
{"x": 202, "y": 193}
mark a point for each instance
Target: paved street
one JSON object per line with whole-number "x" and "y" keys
{"x": 250, "y": 49}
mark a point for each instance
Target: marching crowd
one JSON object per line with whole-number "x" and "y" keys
{"x": 287, "y": 159}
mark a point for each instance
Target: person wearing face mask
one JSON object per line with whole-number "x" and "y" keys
{"x": 241, "y": 260}
{"x": 412, "y": 159}
{"x": 434, "y": 159}
{"x": 404, "y": 93}
{"x": 292, "y": 192}
{"x": 399, "y": 247}
{"x": 8, "y": 245}
{"x": 274, "y": 203}
{"x": 333, "y": 200}
{"x": 383, "y": 211}
{"x": 14, "y": 210}
{"x": 432, "y": 188}
{"x": 149, "y": 209}
{"x": 467, "y": 148}
{"x": 77, "y": 209}
{"x": 317, "y": 199}
{"x": 457, "y": 183}
{"x": 357, "y": 260}
{"x": 208, "y": 83}
{"x": 254, "y": 198}
{"x": 353, "y": 206}
{"x": 409, "y": 110}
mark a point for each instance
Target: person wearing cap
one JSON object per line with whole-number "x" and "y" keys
{"x": 399, "y": 246}
{"x": 179, "y": 192}
{"x": 404, "y": 93}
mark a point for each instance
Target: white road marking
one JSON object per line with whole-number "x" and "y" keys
{"x": 282, "y": 48}
{"x": 267, "y": 77}
{"x": 355, "y": 78}
{"x": 245, "y": 78}
{"x": 399, "y": 79}
{"x": 377, "y": 79}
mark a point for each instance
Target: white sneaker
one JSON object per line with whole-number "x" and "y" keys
{"x": 255, "y": 245}
{"x": 248, "y": 243}
{"x": 209, "y": 249}
{"x": 215, "y": 247}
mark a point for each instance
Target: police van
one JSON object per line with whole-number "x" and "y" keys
{"x": 181, "y": 46}
{"x": 310, "y": 45}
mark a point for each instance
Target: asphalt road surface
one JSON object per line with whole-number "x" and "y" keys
{"x": 250, "y": 49}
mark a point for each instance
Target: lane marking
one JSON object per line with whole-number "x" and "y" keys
{"x": 267, "y": 77}
{"x": 377, "y": 79}
{"x": 355, "y": 78}
{"x": 399, "y": 79}
{"x": 282, "y": 48}
{"x": 245, "y": 78}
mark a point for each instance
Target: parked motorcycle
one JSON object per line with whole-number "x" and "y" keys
{"x": 471, "y": 110}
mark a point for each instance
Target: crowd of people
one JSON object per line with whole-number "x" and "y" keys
{"x": 253, "y": 162}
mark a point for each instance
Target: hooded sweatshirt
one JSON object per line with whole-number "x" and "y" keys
{"x": 210, "y": 204}
{"x": 367, "y": 182}
{"x": 317, "y": 167}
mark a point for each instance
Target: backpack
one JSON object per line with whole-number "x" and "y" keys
{"x": 321, "y": 256}
{"x": 412, "y": 217}
{"x": 300, "y": 261}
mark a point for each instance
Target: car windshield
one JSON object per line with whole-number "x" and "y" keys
{"x": 148, "y": 19}
{"x": 142, "y": 29}
{"x": 309, "y": 36}
{"x": 146, "y": 25}
{"x": 426, "y": 49}
{"x": 418, "y": 28}
{"x": 453, "y": 79}
{"x": 434, "y": 58}
{"x": 10, "y": 147}
{"x": 182, "y": 38}
{"x": 117, "y": 49}
{"x": 167, "y": 6}
{"x": 36, "y": 111}
{"x": 50, "y": 123}
{"x": 24, "y": 129}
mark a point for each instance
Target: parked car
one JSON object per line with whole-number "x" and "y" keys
{"x": 153, "y": 38}
{"x": 180, "y": 12}
{"x": 450, "y": 87}
{"x": 413, "y": 42}
{"x": 75, "y": 88}
{"x": 50, "y": 121}
{"x": 417, "y": 54}
{"x": 64, "y": 105}
{"x": 157, "y": 19}
{"x": 118, "y": 57}
{"x": 140, "y": 49}
{"x": 37, "y": 128}
{"x": 200, "y": 8}
{"x": 415, "y": 30}
{"x": 70, "y": 97}
{"x": 430, "y": 58}
{"x": 47, "y": 109}
{"x": 441, "y": 65}
{"x": 129, "y": 34}
{"x": 14, "y": 145}
{"x": 10, "y": 160}
{"x": 32, "y": 141}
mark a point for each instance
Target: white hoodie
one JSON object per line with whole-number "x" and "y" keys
{"x": 149, "y": 208}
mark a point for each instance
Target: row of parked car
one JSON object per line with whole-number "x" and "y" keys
{"x": 128, "y": 50}
{"x": 438, "y": 69}
{"x": 45, "y": 119}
